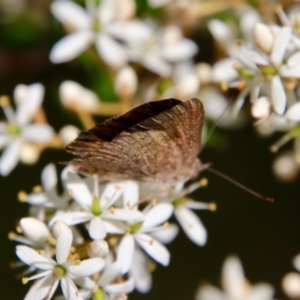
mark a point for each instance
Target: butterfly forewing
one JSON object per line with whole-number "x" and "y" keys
{"x": 157, "y": 141}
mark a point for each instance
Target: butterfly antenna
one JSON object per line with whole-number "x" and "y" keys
{"x": 241, "y": 186}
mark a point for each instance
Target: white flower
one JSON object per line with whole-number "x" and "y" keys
{"x": 18, "y": 131}
{"x": 140, "y": 233}
{"x": 159, "y": 50}
{"x": 45, "y": 196}
{"x": 96, "y": 24}
{"x": 183, "y": 206}
{"x": 262, "y": 72}
{"x": 96, "y": 209}
{"x": 59, "y": 271}
{"x": 106, "y": 287}
{"x": 235, "y": 285}
{"x": 226, "y": 36}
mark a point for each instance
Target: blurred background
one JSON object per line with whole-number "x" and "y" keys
{"x": 265, "y": 236}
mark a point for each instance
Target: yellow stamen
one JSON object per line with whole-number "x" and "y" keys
{"x": 212, "y": 206}
{"x": 22, "y": 196}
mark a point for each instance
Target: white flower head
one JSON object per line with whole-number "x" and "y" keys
{"x": 18, "y": 130}
{"x": 94, "y": 25}
{"x": 60, "y": 271}
{"x": 235, "y": 285}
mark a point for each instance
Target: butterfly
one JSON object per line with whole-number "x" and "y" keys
{"x": 156, "y": 141}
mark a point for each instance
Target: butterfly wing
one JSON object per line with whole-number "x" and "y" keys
{"x": 155, "y": 141}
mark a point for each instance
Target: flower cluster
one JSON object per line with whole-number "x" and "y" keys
{"x": 124, "y": 233}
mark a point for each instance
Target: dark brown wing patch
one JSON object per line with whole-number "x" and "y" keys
{"x": 155, "y": 141}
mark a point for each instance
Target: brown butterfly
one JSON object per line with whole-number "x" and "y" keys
{"x": 156, "y": 141}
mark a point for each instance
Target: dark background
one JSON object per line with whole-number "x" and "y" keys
{"x": 265, "y": 236}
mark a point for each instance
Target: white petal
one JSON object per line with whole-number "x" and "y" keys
{"x": 40, "y": 289}
{"x": 114, "y": 227}
{"x": 69, "y": 289}
{"x": 10, "y": 157}
{"x": 133, "y": 32}
{"x": 224, "y": 71}
{"x": 166, "y": 235}
{"x": 261, "y": 291}
{"x": 32, "y": 257}
{"x": 182, "y": 50}
{"x": 291, "y": 285}
{"x": 290, "y": 72}
{"x": 111, "y": 194}
{"x": 140, "y": 273}
{"x": 125, "y": 252}
{"x": 131, "y": 195}
{"x": 191, "y": 225}
{"x": 209, "y": 292}
{"x": 197, "y": 205}
{"x": 157, "y": 64}
{"x": 233, "y": 278}
{"x": 278, "y": 95}
{"x": 30, "y": 104}
{"x": 110, "y": 274}
{"x": 157, "y": 215}
{"x": 87, "y": 267}
{"x": 121, "y": 288}
{"x": 74, "y": 96}
{"x": 36, "y": 198}
{"x": 20, "y": 93}
{"x": 112, "y": 52}
{"x": 98, "y": 249}
{"x": 71, "y": 46}
{"x": 131, "y": 216}
{"x": 37, "y": 133}
{"x": 97, "y": 229}
{"x": 264, "y": 37}
{"x": 71, "y": 218}
{"x": 34, "y": 229}
{"x": 49, "y": 177}
{"x": 248, "y": 20}
{"x": 64, "y": 237}
{"x": 153, "y": 248}
{"x": 220, "y": 31}
{"x": 296, "y": 262}
{"x": 251, "y": 58}
{"x": 5, "y": 139}
{"x": 261, "y": 107}
{"x": 280, "y": 45}
{"x": 293, "y": 113}
{"x": 71, "y": 14}
{"x": 294, "y": 60}
{"x": 79, "y": 191}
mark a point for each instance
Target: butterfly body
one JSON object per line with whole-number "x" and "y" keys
{"x": 156, "y": 141}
